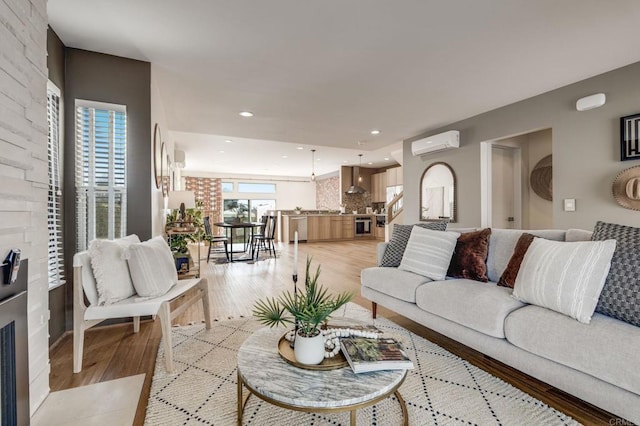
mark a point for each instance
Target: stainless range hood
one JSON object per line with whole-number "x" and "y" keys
{"x": 354, "y": 188}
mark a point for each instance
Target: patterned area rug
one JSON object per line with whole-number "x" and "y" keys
{"x": 442, "y": 389}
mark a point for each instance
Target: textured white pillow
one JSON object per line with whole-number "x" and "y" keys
{"x": 566, "y": 277}
{"x": 110, "y": 270}
{"x": 428, "y": 252}
{"x": 152, "y": 267}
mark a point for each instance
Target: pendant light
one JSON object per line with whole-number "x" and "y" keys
{"x": 360, "y": 177}
{"x": 313, "y": 165}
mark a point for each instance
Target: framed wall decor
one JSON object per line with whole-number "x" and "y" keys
{"x": 164, "y": 170}
{"x": 157, "y": 155}
{"x": 629, "y": 137}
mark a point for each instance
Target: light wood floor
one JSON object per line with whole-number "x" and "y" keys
{"x": 113, "y": 352}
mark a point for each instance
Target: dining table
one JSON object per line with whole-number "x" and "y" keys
{"x": 229, "y": 227}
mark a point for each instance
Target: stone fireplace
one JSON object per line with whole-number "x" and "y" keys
{"x": 14, "y": 356}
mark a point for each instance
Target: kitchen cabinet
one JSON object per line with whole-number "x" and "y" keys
{"x": 348, "y": 228}
{"x": 379, "y": 233}
{"x": 394, "y": 176}
{"x": 342, "y": 228}
{"x": 379, "y": 187}
{"x": 319, "y": 228}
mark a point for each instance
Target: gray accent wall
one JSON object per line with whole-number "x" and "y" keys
{"x": 586, "y": 150}
{"x": 55, "y": 65}
{"x": 105, "y": 78}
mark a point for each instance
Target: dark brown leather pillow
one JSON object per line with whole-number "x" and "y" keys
{"x": 508, "y": 277}
{"x": 470, "y": 256}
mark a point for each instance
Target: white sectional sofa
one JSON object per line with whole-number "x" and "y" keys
{"x": 597, "y": 362}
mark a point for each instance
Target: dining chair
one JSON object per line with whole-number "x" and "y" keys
{"x": 258, "y": 233}
{"x": 266, "y": 241}
{"x": 214, "y": 239}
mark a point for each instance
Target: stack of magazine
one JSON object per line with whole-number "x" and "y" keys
{"x": 365, "y": 355}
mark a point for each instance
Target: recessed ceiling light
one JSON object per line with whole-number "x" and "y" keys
{"x": 344, "y": 161}
{"x": 228, "y": 141}
{"x": 375, "y": 132}
{"x": 246, "y": 114}
{"x": 386, "y": 158}
{"x": 285, "y": 156}
{"x": 299, "y": 147}
{"x": 369, "y": 163}
{"x": 221, "y": 152}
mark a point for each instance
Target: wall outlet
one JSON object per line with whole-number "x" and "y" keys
{"x": 569, "y": 204}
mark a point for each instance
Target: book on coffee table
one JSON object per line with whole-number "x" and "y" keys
{"x": 365, "y": 355}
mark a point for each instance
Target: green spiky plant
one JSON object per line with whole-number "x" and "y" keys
{"x": 310, "y": 307}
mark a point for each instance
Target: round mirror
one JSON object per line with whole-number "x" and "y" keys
{"x": 438, "y": 193}
{"x": 157, "y": 155}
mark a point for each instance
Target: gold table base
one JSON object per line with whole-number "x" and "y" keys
{"x": 242, "y": 402}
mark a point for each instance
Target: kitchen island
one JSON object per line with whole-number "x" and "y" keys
{"x": 326, "y": 227}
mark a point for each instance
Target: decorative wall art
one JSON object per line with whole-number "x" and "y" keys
{"x": 541, "y": 179}
{"x": 629, "y": 133}
{"x": 164, "y": 170}
{"x": 157, "y": 155}
{"x": 626, "y": 188}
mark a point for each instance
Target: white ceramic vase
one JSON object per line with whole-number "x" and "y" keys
{"x": 309, "y": 350}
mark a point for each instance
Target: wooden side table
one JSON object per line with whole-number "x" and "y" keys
{"x": 194, "y": 268}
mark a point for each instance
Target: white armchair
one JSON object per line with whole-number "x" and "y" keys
{"x": 85, "y": 317}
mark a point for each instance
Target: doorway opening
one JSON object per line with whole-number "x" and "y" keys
{"x": 507, "y": 200}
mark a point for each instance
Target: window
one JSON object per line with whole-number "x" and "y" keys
{"x": 246, "y": 210}
{"x": 261, "y": 188}
{"x": 55, "y": 259}
{"x": 227, "y": 186}
{"x": 101, "y": 171}
{"x": 260, "y": 208}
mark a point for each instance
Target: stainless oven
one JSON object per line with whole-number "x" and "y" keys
{"x": 364, "y": 226}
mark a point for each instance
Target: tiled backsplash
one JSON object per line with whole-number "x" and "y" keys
{"x": 357, "y": 202}
{"x": 328, "y": 193}
{"x": 328, "y": 197}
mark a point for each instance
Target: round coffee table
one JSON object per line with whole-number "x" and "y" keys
{"x": 266, "y": 375}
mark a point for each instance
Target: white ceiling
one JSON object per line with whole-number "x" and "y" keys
{"x": 212, "y": 153}
{"x": 325, "y": 73}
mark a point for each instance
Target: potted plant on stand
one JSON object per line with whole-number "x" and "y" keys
{"x": 307, "y": 309}
{"x": 193, "y": 227}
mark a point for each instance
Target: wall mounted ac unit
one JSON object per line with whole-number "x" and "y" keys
{"x": 435, "y": 143}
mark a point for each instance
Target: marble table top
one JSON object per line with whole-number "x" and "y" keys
{"x": 263, "y": 370}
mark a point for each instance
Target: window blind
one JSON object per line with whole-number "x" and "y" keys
{"x": 55, "y": 258}
{"x": 101, "y": 171}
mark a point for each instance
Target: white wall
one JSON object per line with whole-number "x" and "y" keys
{"x": 289, "y": 191}
{"x": 158, "y": 116}
{"x": 23, "y": 167}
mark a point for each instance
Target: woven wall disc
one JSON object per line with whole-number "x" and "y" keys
{"x": 541, "y": 179}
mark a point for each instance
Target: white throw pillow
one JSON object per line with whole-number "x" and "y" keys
{"x": 428, "y": 252}
{"x": 152, "y": 267}
{"x": 566, "y": 277}
{"x": 110, "y": 270}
